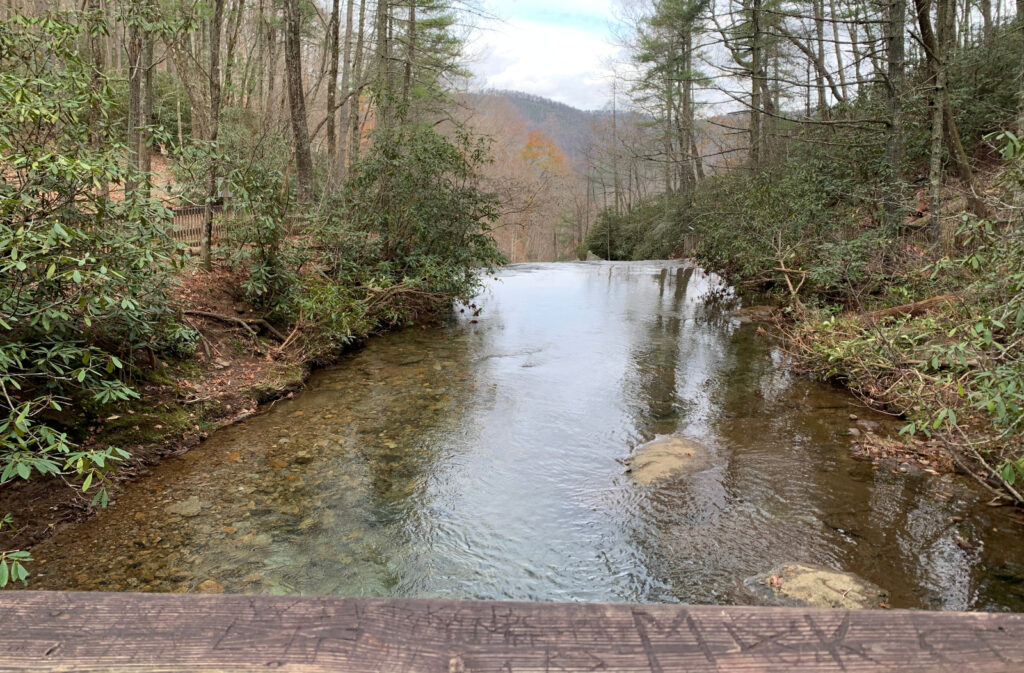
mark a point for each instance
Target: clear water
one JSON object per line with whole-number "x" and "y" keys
{"x": 481, "y": 460}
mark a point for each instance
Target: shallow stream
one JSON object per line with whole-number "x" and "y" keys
{"x": 485, "y": 460}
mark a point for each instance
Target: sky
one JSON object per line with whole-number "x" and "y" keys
{"x": 559, "y": 49}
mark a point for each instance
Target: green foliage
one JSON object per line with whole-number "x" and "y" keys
{"x": 257, "y": 230}
{"x": 802, "y": 210}
{"x": 417, "y": 192}
{"x": 959, "y": 369}
{"x": 83, "y": 277}
{"x": 410, "y": 235}
{"x": 12, "y": 562}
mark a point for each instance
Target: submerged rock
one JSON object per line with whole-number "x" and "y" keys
{"x": 188, "y": 508}
{"x": 754, "y": 314}
{"x": 667, "y": 457}
{"x": 805, "y": 585}
{"x": 210, "y": 587}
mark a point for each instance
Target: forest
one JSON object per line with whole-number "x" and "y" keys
{"x": 858, "y": 166}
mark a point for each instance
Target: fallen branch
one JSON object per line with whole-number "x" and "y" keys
{"x": 284, "y": 344}
{"x": 914, "y": 310}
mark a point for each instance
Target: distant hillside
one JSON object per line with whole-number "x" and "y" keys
{"x": 570, "y": 128}
{"x": 720, "y": 137}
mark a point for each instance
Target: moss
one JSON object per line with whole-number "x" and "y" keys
{"x": 281, "y": 379}
{"x": 143, "y": 424}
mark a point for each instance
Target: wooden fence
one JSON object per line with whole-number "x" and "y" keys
{"x": 188, "y": 224}
{"x": 164, "y": 632}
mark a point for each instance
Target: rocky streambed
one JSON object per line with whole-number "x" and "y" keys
{"x": 601, "y": 432}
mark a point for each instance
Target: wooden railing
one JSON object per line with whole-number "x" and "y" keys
{"x": 188, "y": 224}
{"x": 161, "y": 632}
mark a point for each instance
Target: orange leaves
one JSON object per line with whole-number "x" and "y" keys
{"x": 541, "y": 151}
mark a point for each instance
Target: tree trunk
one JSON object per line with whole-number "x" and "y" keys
{"x": 986, "y": 18}
{"x": 819, "y": 35}
{"x": 1020, "y": 28}
{"x": 134, "y": 102}
{"x": 617, "y": 179}
{"x": 229, "y": 64}
{"x": 355, "y": 130}
{"x": 923, "y": 10}
{"x": 216, "y": 27}
{"x": 688, "y": 112}
{"x": 97, "y": 50}
{"x": 146, "y": 113}
{"x": 382, "y": 87}
{"x": 755, "y": 85}
{"x": 271, "y": 66}
{"x": 333, "y": 42}
{"x": 895, "y": 84}
{"x": 838, "y": 50}
{"x": 297, "y": 100}
{"x": 667, "y": 141}
{"x": 936, "y": 47}
{"x": 346, "y": 84}
{"x": 410, "y": 54}
{"x": 855, "y": 42}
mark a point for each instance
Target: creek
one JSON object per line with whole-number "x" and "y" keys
{"x": 484, "y": 459}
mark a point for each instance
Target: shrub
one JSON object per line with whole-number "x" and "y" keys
{"x": 83, "y": 277}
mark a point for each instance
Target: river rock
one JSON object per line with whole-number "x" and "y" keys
{"x": 187, "y": 508}
{"x": 210, "y": 587}
{"x": 667, "y": 457}
{"x": 256, "y": 541}
{"x": 869, "y": 426}
{"x": 811, "y": 586}
{"x": 754, "y": 314}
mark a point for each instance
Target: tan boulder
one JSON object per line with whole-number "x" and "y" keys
{"x": 666, "y": 457}
{"x": 811, "y": 586}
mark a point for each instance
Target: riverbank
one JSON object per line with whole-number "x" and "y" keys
{"x": 919, "y": 314}
{"x": 242, "y": 364}
{"x": 932, "y": 336}
{"x": 949, "y": 365}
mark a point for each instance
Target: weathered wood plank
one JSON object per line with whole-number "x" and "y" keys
{"x": 147, "y": 632}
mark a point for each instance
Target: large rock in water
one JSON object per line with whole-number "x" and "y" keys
{"x": 804, "y": 585}
{"x": 667, "y": 457}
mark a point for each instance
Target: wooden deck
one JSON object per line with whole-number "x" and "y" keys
{"x": 147, "y": 632}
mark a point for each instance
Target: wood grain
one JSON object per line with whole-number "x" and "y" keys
{"x": 159, "y": 632}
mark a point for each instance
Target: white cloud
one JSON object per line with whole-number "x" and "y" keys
{"x": 556, "y": 61}
{"x": 556, "y": 49}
